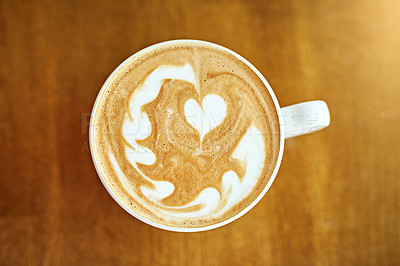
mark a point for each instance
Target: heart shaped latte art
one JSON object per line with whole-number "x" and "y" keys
{"x": 208, "y": 116}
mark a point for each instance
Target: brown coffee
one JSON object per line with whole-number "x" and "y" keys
{"x": 186, "y": 134}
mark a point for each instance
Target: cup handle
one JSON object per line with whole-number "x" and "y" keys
{"x": 303, "y": 118}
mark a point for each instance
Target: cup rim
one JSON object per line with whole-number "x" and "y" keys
{"x": 185, "y": 229}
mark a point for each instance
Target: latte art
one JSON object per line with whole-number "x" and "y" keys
{"x": 211, "y": 113}
{"x": 209, "y": 200}
{"x": 186, "y": 136}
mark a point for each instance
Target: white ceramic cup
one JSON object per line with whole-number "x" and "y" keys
{"x": 294, "y": 120}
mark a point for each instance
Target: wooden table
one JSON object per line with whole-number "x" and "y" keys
{"x": 336, "y": 199}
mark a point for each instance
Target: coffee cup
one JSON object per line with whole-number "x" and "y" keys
{"x": 188, "y": 136}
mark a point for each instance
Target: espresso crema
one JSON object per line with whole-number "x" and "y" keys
{"x": 186, "y": 134}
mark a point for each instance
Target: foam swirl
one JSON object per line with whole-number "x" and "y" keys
{"x": 191, "y": 145}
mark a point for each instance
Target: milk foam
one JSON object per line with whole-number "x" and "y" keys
{"x": 140, "y": 128}
{"x": 208, "y": 116}
{"x": 186, "y": 135}
{"x": 250, "y": 150}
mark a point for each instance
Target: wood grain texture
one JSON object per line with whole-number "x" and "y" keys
{"x": 336, "y": 199}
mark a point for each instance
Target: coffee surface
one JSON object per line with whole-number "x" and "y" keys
{"x": 186, "y": 134}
